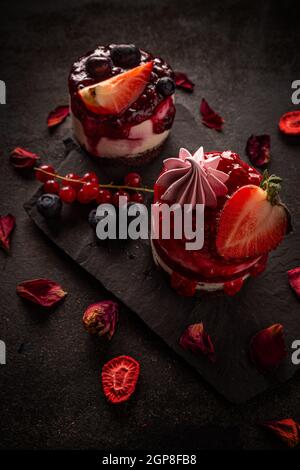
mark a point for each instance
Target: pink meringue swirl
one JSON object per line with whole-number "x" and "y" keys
{"x": 193, "y": 179}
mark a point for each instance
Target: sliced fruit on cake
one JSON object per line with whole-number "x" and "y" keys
{"x": 114, "y": 95}
{"x": 253, "y": 221}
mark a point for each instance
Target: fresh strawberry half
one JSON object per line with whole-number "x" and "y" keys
{"x": 253, "y": 221}
{"x": 114, "y": 95}
{"x": 119, "y": 378}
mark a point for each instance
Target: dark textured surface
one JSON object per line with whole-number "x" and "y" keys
{"x": 126, "y": 268}
{"x": 243, "y": 57}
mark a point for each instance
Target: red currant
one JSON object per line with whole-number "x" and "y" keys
{"x": 52, "y": 187}
{"x": 117, "y": 195}
{"x": 133, "y": 179}
{"x": 91, "y": 178}
{"x": 42, "y": 176}
{"x": 73, "y": 176}
{"x": 137, "y": 197}
{"x": 88, "y": 193}
{"x": 104, "y": 196}
{"x": 67, "y": 194}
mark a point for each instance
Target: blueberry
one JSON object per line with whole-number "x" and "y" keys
{"x": 93, "y": 218}
{"x": 165, "y": 86}
{"x": 49, "y": 205}
{"x": 125, "y": 55}
{"x": 99, "y": 67}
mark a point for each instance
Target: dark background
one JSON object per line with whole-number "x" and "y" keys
{"x": 242, "y": 57}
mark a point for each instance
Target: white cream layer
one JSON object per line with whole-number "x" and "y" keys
{"x": 141, "y": 139}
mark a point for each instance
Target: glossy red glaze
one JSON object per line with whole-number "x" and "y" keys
{"x": 206, "y": 265}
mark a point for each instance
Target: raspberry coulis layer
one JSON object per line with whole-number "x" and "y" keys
{"x": 148, "y": 106}
{"x": 206, "y": 265}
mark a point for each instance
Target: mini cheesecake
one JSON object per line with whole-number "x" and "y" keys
{"x": 122, "y": 103}
{"x": 244, "y": 220}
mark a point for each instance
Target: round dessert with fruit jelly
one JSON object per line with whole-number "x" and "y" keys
{"x": 122, "y": 102}
{"x": 204, "y": 269}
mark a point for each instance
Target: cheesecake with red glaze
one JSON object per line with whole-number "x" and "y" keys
{"x": 122, "y": 102}
{"x": 244, "y": 219}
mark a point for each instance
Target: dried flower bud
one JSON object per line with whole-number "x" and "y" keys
{"x": 7, "y": 224}
{"x": 22, "y": 158}
{"x": 43, "y": 292}
{"x": 196, "y": 339}
{"x": 267, "y": 348}
{"x": 101, "y": 318}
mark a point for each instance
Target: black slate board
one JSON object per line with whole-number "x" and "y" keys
{"x": 127, "y": 270}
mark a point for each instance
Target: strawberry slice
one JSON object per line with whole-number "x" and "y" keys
{"x": 116, "y": 94}
{"x": 253, "y": 221}
{"x": 119, "y": 378}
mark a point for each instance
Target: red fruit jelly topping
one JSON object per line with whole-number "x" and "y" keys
{"x": 206, "y": 265}
{"x": 150, "y": 104}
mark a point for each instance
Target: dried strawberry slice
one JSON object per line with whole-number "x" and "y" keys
{"x": 289, "y": 123}
{"x": 119, "y": 378}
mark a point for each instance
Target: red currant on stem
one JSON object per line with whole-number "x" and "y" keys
{"x": 104, "y": 197}
{"x": 133, "y": 180}
{"x": 91, "y": 178}
{"x": 117, "y": 195}
{"x": 73, "y": 176}
{"x": 88, "y": 193}
{"x": 40, "y": 176}
{"x": 137, "y": 197}
{"x": 52, "y": 187}
{"x": 67, "y": 194}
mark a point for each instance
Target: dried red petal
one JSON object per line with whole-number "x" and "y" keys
{"x": 58, "y": 115}
{"x": 294, "y": 280}
{"x": 101, "y": 318}
{"x": 289, "y": 123}
{"x": 196, "y": 339}
{"x": 22, "y": 158}
{"x": 267, "y": 348}
{"x": 183, "y": 81}
{"x": 43, "y": 292}
{"x": 288, "y": 430}
{"x": 258, "y": 149}
{"x": 7, "y": 224}
{"x": 209, "y": 117}
{"x": 182, "y": 285}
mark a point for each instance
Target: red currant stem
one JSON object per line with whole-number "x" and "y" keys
{"x": 109, "y": 186}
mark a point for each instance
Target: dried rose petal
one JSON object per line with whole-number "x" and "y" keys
{"x": 101, "y": 318}
{"x": 182, "y": 285}
{"x": 183, "y": 81}
{"x": 43, "y": 292}
{"x": 196, "y": 339}
{"x": 267, "y": 348}
{"x": 209, "y": 117}
{"x": 286, "y": 429}
{"x": 7, "y": 224}
{"x": 258, "y": 149}
{"x": 294, "y": 280}
{"x": 22, "y": 158}
{"x": 58, "y": 115}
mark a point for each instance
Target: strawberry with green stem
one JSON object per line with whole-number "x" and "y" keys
{"x": 253, "y": 221}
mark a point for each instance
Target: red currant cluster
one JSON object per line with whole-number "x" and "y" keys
{"x": 87, "y": 189}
